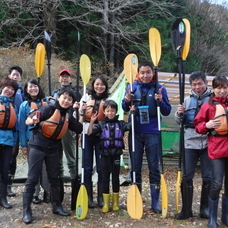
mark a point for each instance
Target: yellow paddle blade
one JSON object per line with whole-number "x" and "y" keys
{"x": 39, "y": 59}
{"x": 134, "y": 203}
{"x": 186, "y": 47}
{"x": 130, "y": 67}
{"x": 164, "y": 193}
{"x": 178, "y": 190}
{"x": 82, "y": 203}
{"x": 155, "y": 45}
{"x": 85, "y": 68}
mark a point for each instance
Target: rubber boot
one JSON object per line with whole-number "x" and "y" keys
{"x": 155, "y": 192}
{"x": 100, "y": 201}
{"x": 56, "y": 203}
{"x": 36, "y": 200}
{"x": 186, "y": 211}
{"x": 61, "y": 189}
{"x": 9, "y": 186}
{"x": 3, "y": 200}
{"x": 106, "y": 198}
{"x": 204, "y": 210}
{"x": 115, "y": 201}
{"x": 89, "y": 188}
{"x": 224, "y": 217}
{"x": 27, "y": 211}
{"x": 213, "y": 209}
{"x": 46, "y": 197}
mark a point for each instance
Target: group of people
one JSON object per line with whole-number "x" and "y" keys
{"x": 48, "y": 129}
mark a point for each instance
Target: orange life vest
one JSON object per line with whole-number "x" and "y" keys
{"x": 95, "y": 106}
{"x": 221, "y": 114}
{"x": 34, "y": 106}
{"x": 56, "y": 126}
{"x": 8, "y": 116}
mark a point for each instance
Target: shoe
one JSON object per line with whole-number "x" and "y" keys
{"x": 36, "y": 200}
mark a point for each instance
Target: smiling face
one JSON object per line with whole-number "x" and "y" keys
{"x": 199, "y": 86}
{"x": 221, "y": 91}
{"x": 15, "y": 75}
{"x": 32, "y": 90}
{"x": 145, "y": 74}
{"x": 8, "y": 91}
{"x": 65, "y": 101}
{"x": 110, "y": 112}
{"x": 99, "y": 86}
{"x": 64, "y": 79}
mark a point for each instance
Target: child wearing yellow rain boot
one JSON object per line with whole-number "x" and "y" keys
{"x": 111, "y": 147}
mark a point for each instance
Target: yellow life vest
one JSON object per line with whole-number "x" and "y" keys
{"x": 95, "y": 106}
{"x": 221, "y": 114}
{"x": 8, "y": 116}
{"x": 56, "y": 126}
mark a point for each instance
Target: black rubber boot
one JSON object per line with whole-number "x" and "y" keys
{"x": 186, "y": 211}
{"x": 224, "y": 217}
{"x": 213, "y": 210}
{"x": 3, "y": 200}
{"x": 36, "y": 200}
{"x": 46, "y": 197}
{"x": 100, "y": 200}
{"x": 61, "y": 182}
{"x": 10, "y": 193}
{"x": 204, "y": 209}
{"x": 27, "y": 211}
{"x": 89, "y": 188}
{"x": 56, "y": 203}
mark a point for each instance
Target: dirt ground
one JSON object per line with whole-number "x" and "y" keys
{"x": 44, "y": 218}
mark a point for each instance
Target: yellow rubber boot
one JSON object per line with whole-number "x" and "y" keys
{"x": 106, "y": 198}
{"x": 115, "y": 201}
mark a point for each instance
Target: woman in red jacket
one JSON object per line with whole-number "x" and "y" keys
{"x": 212, "y": 120}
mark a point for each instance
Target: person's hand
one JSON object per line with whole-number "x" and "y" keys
{"x": 132, "y": 108}
{"x": 24, "y": 150}
{"x": 180, "y": 109}
{"x": 158, "y": 96}
{"x": 213, "y": 124}
{"x": 36, "y": 118}
{"x": 83, "y": 106}
{"x": 76, "y": 105}
{"x": 128, "y": 96}
{"x": 94, "y": 117}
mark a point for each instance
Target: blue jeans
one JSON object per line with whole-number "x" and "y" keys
{"x": 149, "y": 143}
{"x": 219, "y": 169}
{"x": 92, "y": 145}
{"x": 5, "y": 157}
{"x": 191, "y": 158}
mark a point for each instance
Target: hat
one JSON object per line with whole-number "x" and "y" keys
{"x": 65, "y": 71}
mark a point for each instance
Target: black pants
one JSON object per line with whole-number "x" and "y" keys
{"x": 110, "y": 164}
{"x": 37, "y": 155}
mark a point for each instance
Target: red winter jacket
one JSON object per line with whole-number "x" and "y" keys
{"x": 217, "y": 145}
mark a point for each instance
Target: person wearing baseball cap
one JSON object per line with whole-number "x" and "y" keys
{"x": 68, "y": 141}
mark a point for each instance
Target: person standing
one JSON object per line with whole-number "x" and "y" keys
{"x": 8, "y": 134}
{"x": 212, "y": 120}
{"x": 195, "y": 144}
{"x": 68, "y": 144}
{"x": 15, "y": 73}
{"x": 111, "y": 132}
{"x": 94, "y": 101}
{"x": 144, "y": 96}
{"x": 35, "y": 98}
{"x": 51, "y": 123}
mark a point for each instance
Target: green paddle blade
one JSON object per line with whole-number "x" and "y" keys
{"x": 186, "y": 47}
{"x": 178, "y": 36}
{"x": 39, "y": 59}
{"x": 155, "y": 45}
{"x": 85, "y": 68}
{"x": 134, "y": 202}
{"x": 82, "y": 203}
{"x": 130, "y": 67}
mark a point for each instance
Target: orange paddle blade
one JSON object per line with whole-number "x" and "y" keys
{"x": 39, "y": 59}
{"x": 134, "y": 203}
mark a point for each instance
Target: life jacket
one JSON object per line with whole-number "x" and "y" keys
{"x": 94, "y": 106}
{"x": 222, "y": 114}
{"x": 8, "y": 116}
{"x": 34, "y": 106}
{"x": 147, "y": 99}
{"x": 112, "y": 136}
{"x": 192, "y": 110}
{"x": 56, "y": 126}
